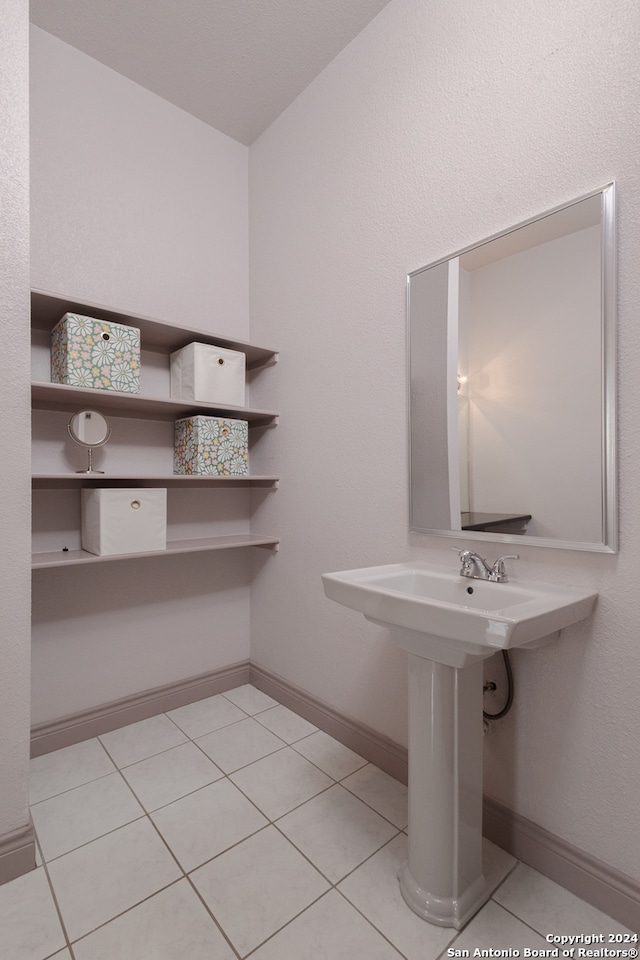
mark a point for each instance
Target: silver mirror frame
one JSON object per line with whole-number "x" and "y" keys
{"x": 609, "y": 543}
{"x": 89, "y": 447}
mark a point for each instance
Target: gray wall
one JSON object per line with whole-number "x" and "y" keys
{"x": 439, "y": 125}
{"x": 15, "y": 483}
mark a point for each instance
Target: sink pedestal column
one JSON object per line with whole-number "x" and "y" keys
{"x": 442, "y": 880}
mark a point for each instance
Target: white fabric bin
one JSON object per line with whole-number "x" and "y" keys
{"x": 124, "y": 520}
{"x": 208, "y": 374}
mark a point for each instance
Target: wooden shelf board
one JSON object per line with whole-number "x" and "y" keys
{"x": 60, "y": 396}
{"x": 53, "y": 481}
{"x": 73, "y": 557}
{"x": 48, "y": 308}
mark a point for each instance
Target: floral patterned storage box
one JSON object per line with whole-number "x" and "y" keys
{"x": 86, "y": 352}
{"x": 211, "y": 445}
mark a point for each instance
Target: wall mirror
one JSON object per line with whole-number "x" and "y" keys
{"x": 89, "y": 429}
{"x": 512, "y": 384}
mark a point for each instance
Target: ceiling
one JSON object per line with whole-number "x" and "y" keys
{"x": 235, "y": 64}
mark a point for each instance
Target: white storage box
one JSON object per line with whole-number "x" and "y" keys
{"x": 124, "y": 520}
{"x": 208, "y": 374}
{"x": 86, "y": 352}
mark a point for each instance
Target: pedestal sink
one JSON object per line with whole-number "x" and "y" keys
{"x": 449, "y": 624}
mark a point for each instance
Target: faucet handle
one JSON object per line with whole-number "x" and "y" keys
{"x": 465, "y": 556}
{"x": 498, "y": 569}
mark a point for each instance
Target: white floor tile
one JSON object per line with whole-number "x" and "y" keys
{"x": 329, "y": 930}
{"x": 336, "y": 831}
{"x": 376, "y": 788}
{"x": 548, "y": 907}
{"x": 250, "y": 699}
{"x": 495, "y": 928}
{"x": 137, "y": 741}
{"x": 168, "y": 776}
{"x": 204, "y": 716}
{"x": 374, "y": 889}
{"x": 83, "y": 814}
{"x": 257, "y": 887}
{"x": 239, "y": 744}
{"x": 286, "y": 724}
{"x": 496, "y": 863}
{"x": 205, "y": 823}
{"x": 169, "y": 925}
{"x": 29, "y": 924}
{"x": 280, "y": 782}
{"x": 64, "y": 769}
{"x": 63, "y": 955}
{"x": 330, "y": 755}
{"x": 95, "y": 883}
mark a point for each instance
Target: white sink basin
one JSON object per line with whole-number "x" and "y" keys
{"x": 437, "y": 614}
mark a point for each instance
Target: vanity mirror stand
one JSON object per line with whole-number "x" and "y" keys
{"x": 89, "y": 429}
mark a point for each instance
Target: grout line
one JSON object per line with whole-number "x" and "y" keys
{"x": 86, "y": 843}
{"x": 516, "y": 916}
{"x": 123, "y": 766}
{"x": 211, "y": 914}
{"x": 366, "y": 860}
{"x": 370, "y": 922}
{"x": 163, "y": 806}
{"x": 58, "y": 910}
{"x": 122, "y": 913}
{"x": 286, "y": 812}
{"x": 36, "y": 803}
{"x": 244, "y": 766}
{"x": 285, "y": 925}
{"x": 504, "y": 879}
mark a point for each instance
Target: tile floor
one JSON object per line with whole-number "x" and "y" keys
{"x": 232, "y": 827}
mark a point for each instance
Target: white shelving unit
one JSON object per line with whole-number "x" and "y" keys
{"x": 158, "y": 340}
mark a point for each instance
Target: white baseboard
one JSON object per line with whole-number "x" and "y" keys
{"x": 17, "y": 853}
{"x": 55, "y": 734}
{"x": 374, "y": 747}
{"x": 615, "y": 893}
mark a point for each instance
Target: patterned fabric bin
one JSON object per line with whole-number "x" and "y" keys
{"x": 86, "y": 352}
{"x": 215, "y": 445}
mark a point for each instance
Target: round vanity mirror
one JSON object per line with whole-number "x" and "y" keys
{"x": 90, "y": 429}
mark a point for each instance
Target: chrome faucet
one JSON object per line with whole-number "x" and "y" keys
{"x": 476, "y": 567}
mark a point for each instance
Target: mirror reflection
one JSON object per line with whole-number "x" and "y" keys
{"x": 512, "y": 384}
{"x": 89, "y": 429}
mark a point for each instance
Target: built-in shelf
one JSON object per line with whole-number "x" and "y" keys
{"x": 156, "y": 335}
{"x": 60, "y": 396}
{"x": 59, "y": 558}
{"x": 158, "y": 340}
{"x": 59, "y": 481}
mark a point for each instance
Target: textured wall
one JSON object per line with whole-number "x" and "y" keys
{"x": 15, "y": 560}
{"x": 134, "y": 203}
{"x": 141, "y": 207}
{"x": 439, "y": 125}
